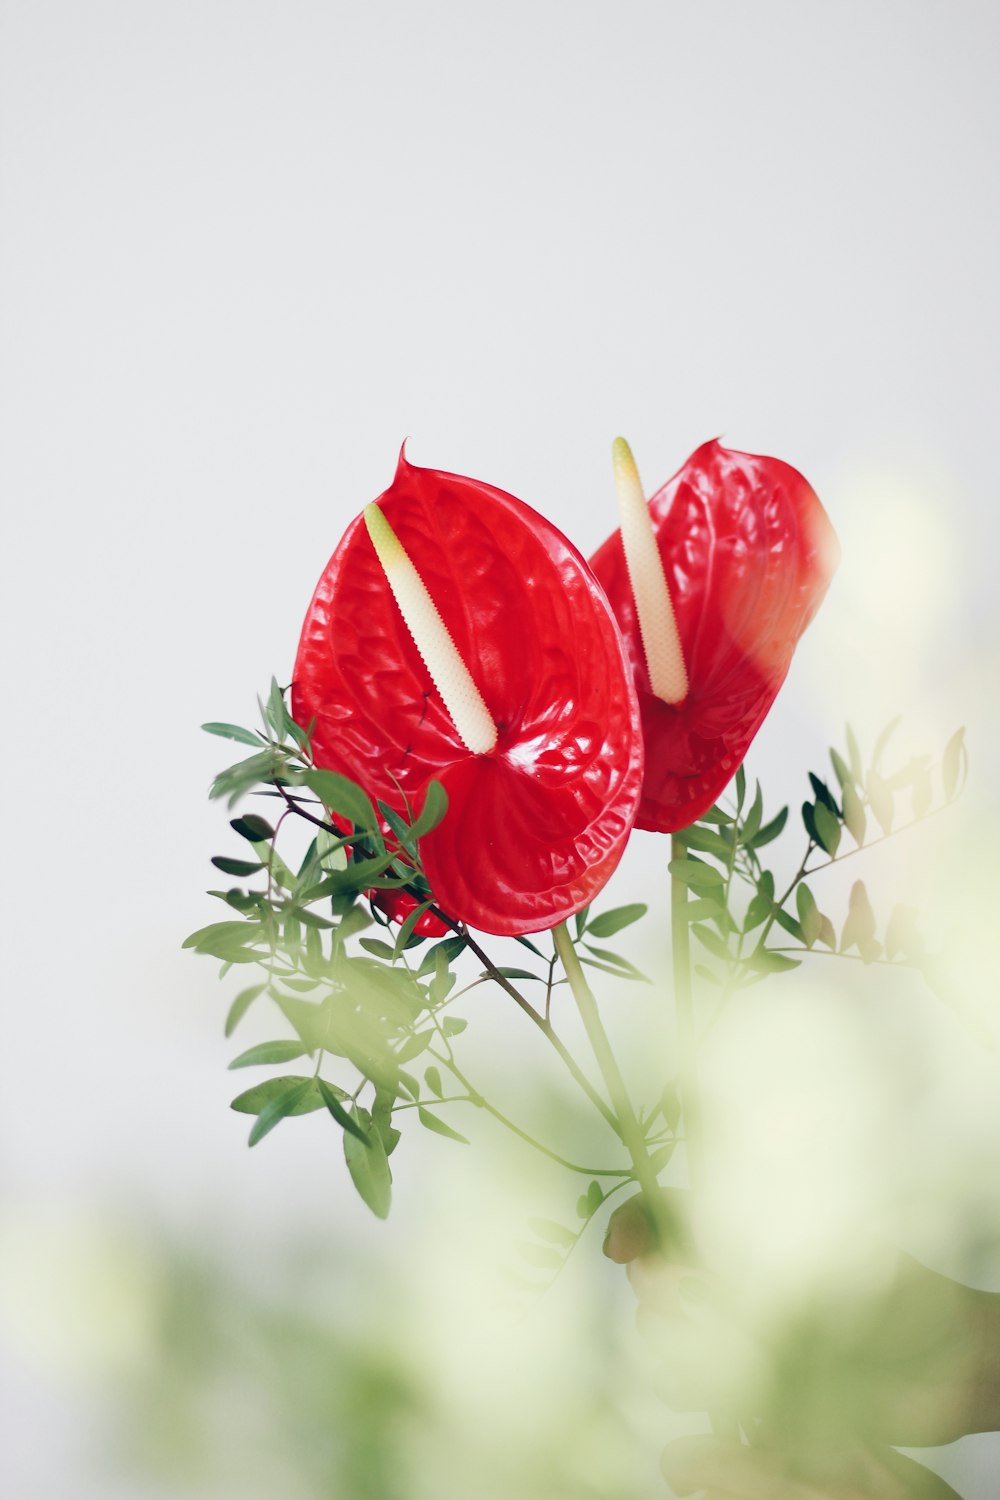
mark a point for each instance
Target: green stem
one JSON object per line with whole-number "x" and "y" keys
{"x": 629, "y": 1128}
{"x": 684, "y": 1002}
{"x": 542, "y": 1022}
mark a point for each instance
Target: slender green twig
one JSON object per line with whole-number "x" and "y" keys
{"x": 629, "y": 1128}
{"x": 684, "y": 1002}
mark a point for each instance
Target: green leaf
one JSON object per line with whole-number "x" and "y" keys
{"x": 610, "y": 922}
{"x": 827, "y": 827}
{"x": 414, "y": 1045}
{"x": 234, "y": 732}
{"x": 787, "y": 921}
{"x": 509, "y": 973}
{"x": 841, "y": 769}
{"x": 385, "y": 1101}
{"x": 854, "y": 814}
{"x": 616, "y": 964}
{"x": 252, "y": 828}
{"x": 694, "y": 872}
{"x": 431, "y": 1122}
{"x": 252, "y": 1101}
{"x": 556, "y": 1234}
{"x": 703, "y": 907}
{"x": 434, "y": 808}
{"x": 770, "y": 831}
{"x": 707, "y": 841}
{"x": 452, "y": 1025}
{"x": 342, "y": 796}
{"x": 268, "y": 1052}
{"x": 352, "y": 1124}
{"x": 751, "y": 822}
{"x": 581, "y": 922}
{"x": 378, "y": 949}
{"x": 278, "y": 1108}
{"x": 590, "y": 1201}
{"x": 235, "y": 781}
{"x": 953, "y": 760}
{"x": 758, "y": 910}
{"x": 717, "y": 815}
{"x": 368, "y": 1163}
{"x": 809, "y": 916}
{"x": 227, "y": 940}
{"x": 767, "y": 961}
{"x": 711, "y": 940}
{"x": 241, "y": 1005}
{"x": 824, "y": 796}
{"x": 432, "y": 1077}
{"x": 539, "y": 1255}
{"x": 741, "y": 788}
{"x": 236, "y": 866}
{"x": 809, "y": 822}
{"x": 859, "y": 929}
{"x": 525, "y": 943}
{"x": 827, "y": 934}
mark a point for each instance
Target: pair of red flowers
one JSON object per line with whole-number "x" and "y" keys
{"x": 583, "y": 745}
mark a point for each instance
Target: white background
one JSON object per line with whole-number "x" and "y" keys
{"x": 248, "y": 248}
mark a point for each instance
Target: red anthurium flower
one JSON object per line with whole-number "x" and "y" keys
{"x": 727, "y": 565}
{"x": 519, "y": 700}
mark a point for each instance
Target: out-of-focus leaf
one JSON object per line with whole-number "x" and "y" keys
{"x": 883, "y": 740}
{"x": 953, "y": 761}
{"x": 556, "y": 1234}
{"x": 539, "y": 1255}
{"x": 880, "y": 801}
{"x": 854, "y": 814}
{"x": 859, "y": 928}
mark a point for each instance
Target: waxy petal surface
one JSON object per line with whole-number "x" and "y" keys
{"x": 748, "y": 553}
{"x": 535, "y": 827}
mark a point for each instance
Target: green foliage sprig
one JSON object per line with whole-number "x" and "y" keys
{"x": 370, "y": 1004}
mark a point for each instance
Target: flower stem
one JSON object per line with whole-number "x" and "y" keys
{"x": 630, "y": 1129}
{"x": 683, "y": 1000}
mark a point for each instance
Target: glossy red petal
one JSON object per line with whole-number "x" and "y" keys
{"x": 748, "y": 552}
{"x": 534, "y": 828}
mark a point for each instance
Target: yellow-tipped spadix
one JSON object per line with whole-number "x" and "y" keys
{"x": 657, "y": 626}
{"x": 448, "y": 671}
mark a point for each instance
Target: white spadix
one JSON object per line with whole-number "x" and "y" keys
{"x": 448, "y": 671}
{"x": 657, "y": 626}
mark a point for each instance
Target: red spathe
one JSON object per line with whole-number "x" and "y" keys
{"x": 748, "y": 553}
{"x": 534, "y": 828}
